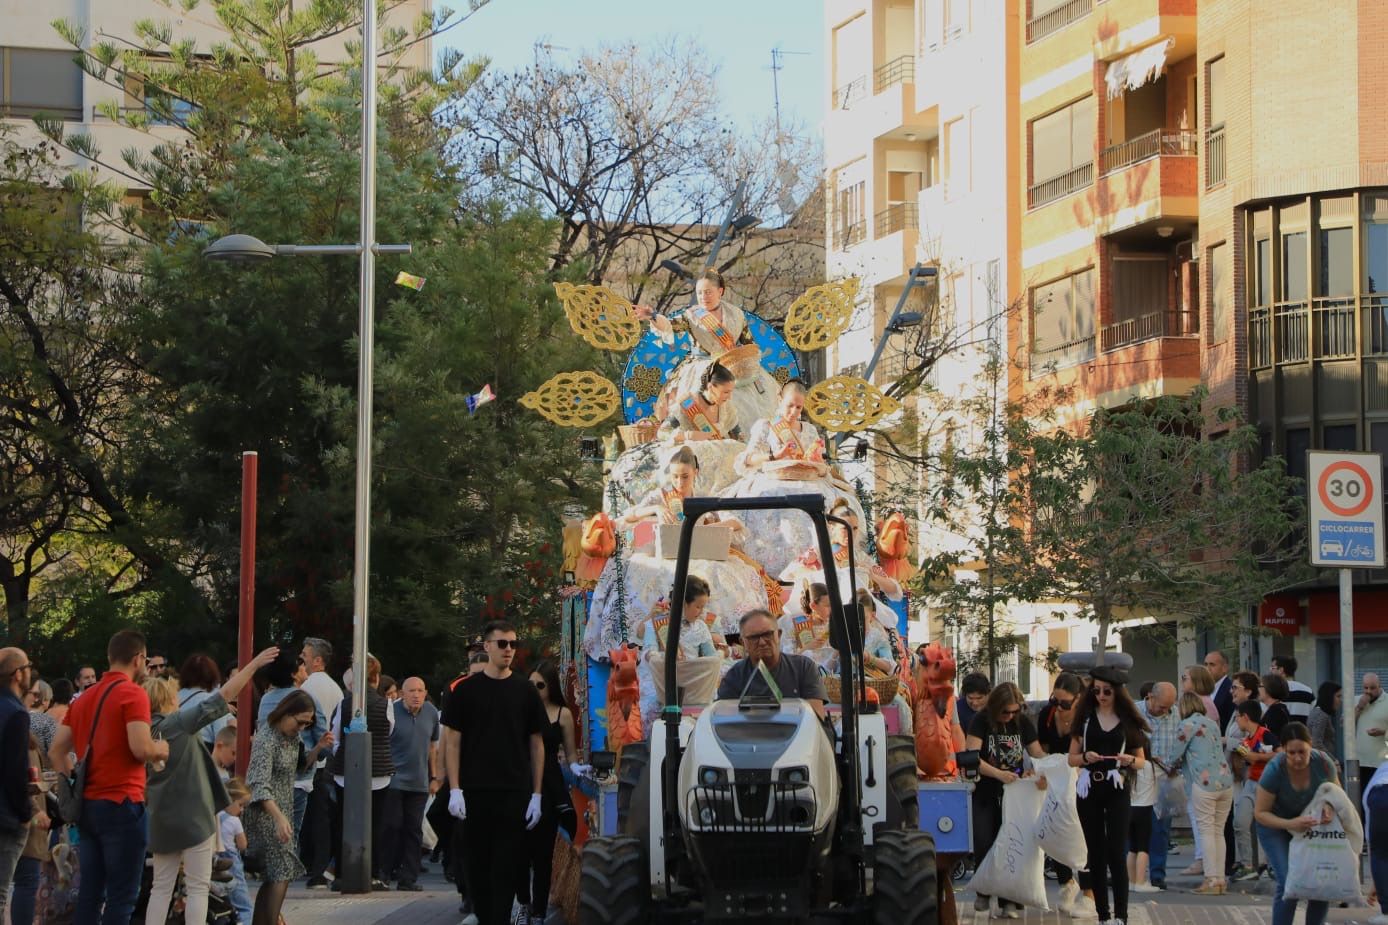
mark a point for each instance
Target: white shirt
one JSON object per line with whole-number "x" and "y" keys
{"x": 1145, "y": 785}
{"x": 327, "y": 695}
{"x": 229, "y": 826}
{"x": 1299, "y": 706}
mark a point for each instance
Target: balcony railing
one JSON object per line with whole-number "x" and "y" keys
{"x": 1214, "y": 156}
{"x": 1053, "y": 20}
{"x": 1079, "y": 350}
{"x": 1332, "y": 323}
{"x": 1152, "y": 144}
{"x": 1060, "y": 186}
{"x": 20, "y": 111}
{"x": 896, "y": 218}
{"x": 1146, "y": 327}
{"x": 896, "y": 71}
{"x": 848, "y": 235}
{"x": 850, "y": 92}
{"x": 1260, "y": 338}
{"x": 1292, "y": 329}
{"x": 1375, "y": 320}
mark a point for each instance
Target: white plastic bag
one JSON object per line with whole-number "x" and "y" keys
{"x": 1323, "y": 863}
{"x": 1171, "y": 797}
{"x": 1058, "y": 826}
{"x": 1015, "y": 867}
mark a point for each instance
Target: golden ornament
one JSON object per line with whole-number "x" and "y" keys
{"x": 600, "y": 316}
{"x": 847, "y": 403}
{"x": 644, "y": 382}
{"x": 821, "y": 314}
{"x": 579, "y": 399}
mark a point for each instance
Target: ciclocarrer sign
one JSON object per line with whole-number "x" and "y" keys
{"x": 1345, "y": 495}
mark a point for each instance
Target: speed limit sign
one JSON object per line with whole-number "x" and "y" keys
{"x": 1346, "y": 506}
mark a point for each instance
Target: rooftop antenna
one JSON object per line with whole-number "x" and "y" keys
{"x": 776, "y": 55}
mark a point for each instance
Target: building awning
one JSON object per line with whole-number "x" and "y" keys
{"x": 1135, "y": 70}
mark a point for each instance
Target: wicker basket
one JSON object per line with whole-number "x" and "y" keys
{"x": 886, "y": 688}
{"x": 633, "y": 435}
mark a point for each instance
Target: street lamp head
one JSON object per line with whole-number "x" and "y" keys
{"x": 905, "y": 320}
{"x": 238, "y": 247}
{"x": 745, "y": 222}
{"x": 677, "y": 268}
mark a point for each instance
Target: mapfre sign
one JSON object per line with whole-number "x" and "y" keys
{"x": 1345, "y": 504}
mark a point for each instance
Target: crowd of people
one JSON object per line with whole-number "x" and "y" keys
{"x": 1238, "y": 755}
{"x": 126, "y": 784}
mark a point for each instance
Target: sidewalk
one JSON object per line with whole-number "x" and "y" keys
{"x": 437, "y": 904}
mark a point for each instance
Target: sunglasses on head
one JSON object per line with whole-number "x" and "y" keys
{"x": 506, "y": 643}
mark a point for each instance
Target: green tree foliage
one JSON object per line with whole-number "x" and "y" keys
{"x": 1154, "y": 509}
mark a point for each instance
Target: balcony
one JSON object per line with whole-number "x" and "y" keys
{"x": 1214, "y": 156}
{"x": 850, "y": 93}
{"x": 1375, "y": 325}
{"x": 1058, "y": 187}
{"x": 1044, "y": 362}
{"x": 896, "y": 218}
{"x": 896, "y": 71}
{"x": 1054, "y": 20}
{"x": 1147, "y": 327}
{"x": 848, "y": 235}
{"x": 1292, "y": 332}
{"x": 1153, "y": 144}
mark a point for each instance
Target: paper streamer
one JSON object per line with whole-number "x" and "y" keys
{"x": 413, "y": 282}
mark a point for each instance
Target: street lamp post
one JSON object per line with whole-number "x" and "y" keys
{"x": 355, "y": 862}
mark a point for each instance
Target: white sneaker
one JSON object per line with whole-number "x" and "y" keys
{"x": 1069, "y": 892}
{"x": 1144, "y": 888}
{"x": 1084, "y": 909}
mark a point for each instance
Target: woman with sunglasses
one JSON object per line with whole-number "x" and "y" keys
{"x": 1054, "y": 726}
{"x": 1108, "y": 745}
{"x": 1003, "y": 735}
{"x": 556, "y": 806}
{"x": 276, "y": 753}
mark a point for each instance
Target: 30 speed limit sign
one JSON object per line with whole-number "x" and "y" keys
{"x": 1345, "y": 497}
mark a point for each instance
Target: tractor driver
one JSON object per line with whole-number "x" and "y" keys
{"x": 796, "y": 675}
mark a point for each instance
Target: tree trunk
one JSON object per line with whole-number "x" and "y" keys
{"x": 16, "y": 591}
{"x": 1105, "y": 617}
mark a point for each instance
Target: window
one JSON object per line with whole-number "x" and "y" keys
{"x": 1298, "y": 444}
{"x": 1214, "y": 93}
{"x": 956, "y": 168}
{"x": 1343, "y": 438}
{"x": 1062, "y": 317}
{"x": 1262, "y": 260}
{"x": 39, "y": 81}
{"x": 1336, "y": 277}
{"x": 1376, "y": 256}
{"x": 852, "y": 51}
{"x": 956, "y": 17}
{"x": 1294, "y": 267}
{"x": 1219, "y": 296}
{"x": 1063, "y": 140}
{"x": 852, "y": 224}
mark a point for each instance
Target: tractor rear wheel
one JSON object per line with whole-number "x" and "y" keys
{"x": 901, "y": 775}
{"x": 903, "y": 879}
{"x": 613, "y": 888}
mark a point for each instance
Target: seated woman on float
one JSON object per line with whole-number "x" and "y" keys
{"x": 867, "y": 573}
{"x": 700, "y": 652}
{"x": 645, "y": 580}
{"x": 785, "y": 456}
{"x": 705, "y": 418}
{"x": 717, "y": 331}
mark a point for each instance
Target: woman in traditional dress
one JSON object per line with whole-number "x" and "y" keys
{"x": 717, "y": 331}
{"x": 785, "y": 456}
{"x": 706, "y": 417}
{"x": 807, "y": 632}
{"x": 737, "y": 584}
{"x": 867, "y": 574}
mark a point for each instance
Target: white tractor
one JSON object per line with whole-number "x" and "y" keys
{"x": 757, "y": 809}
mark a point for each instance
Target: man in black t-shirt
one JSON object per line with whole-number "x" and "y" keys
{"x": 494, "y": 751}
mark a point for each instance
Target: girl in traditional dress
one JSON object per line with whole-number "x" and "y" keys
{"x": 785, "y": 456}
{"x": 718, "y": 331}
{"x": 738, "y": 585}
{"x": 867, "y": 574}
{"x": 706, "y": 417}
{"x": 807, "y": 633}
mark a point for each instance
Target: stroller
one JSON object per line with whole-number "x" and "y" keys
{"x": 219, "y": 908}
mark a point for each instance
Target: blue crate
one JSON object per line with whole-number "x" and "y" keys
{"x": 944, "y": 813}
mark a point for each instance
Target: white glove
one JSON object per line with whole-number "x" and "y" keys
{"x": 581, "y": 770}
{"x": 457, "y": 807}
{"x": 532, "y": 812}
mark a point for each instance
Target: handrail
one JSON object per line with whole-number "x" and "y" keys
{"x": 1333, "y": 326}
{"x": 1214, "y": 156}
{"x": 1292, "y": 329}
{"x": 897, "y": 217}
{"x": 1059, "y": 186}
{"x": 1375, "y": 324}
{"x": 1054, "y": 20}
{"x": 850, "y": 234}
{"x": 1163, "y": 323}
{"x": 850, "y": 92}
{"x": 1152, "y": 144}
{"x": 1260, "y": 337}
{"x": 19, "y": 111}
{"x": 1076, "y": 351}
{"x": 896, "y": 71}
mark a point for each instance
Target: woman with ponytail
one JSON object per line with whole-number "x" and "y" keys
{"x": 708, "y": 414}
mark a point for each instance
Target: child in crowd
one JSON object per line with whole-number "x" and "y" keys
{"x": 1140, "y": 827}
{"x": 233, "y": 844}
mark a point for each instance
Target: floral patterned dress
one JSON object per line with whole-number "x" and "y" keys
{"x": 1200, "y": 752}
{"x": 270, "y": 776}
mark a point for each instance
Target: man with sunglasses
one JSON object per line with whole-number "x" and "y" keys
{"x": 494, "y": 752}
{"x": 16, "y": 677}
{"x": 1158, "y": 708}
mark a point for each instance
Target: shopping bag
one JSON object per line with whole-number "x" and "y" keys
{"x": 1015, "y": 867}
{"x": 1058, "y": 826}
{"x": 1171, "y": 797}
{"x": 1323, "y": 862}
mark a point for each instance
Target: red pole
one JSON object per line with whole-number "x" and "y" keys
{"x": 245, "y": 630}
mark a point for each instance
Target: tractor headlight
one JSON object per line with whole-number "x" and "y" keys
{"x": 713, "y": 777}
{"x": 795, "y": 775}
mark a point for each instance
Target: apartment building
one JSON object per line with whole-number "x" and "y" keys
{"x": 921, "y": 153}
{"x": 38, "y": 73}
{"x": 1203, "y": 200}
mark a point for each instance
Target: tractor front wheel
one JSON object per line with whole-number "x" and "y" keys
{"x": 904, "y": 879}
{"x": 613, "y": 888}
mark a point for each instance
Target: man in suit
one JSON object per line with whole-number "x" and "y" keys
{"x": 1218, "y": 667}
